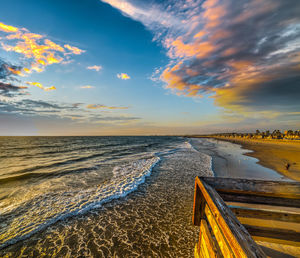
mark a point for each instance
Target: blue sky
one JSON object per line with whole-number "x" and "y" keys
{"x": 118, "y": 67}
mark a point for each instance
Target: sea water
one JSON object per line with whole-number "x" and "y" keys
{"x": 98, "y": 196}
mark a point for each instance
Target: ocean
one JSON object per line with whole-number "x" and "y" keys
{"x": 98, "y": 196}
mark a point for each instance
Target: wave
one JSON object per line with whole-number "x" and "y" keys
{"x": 55, "y": 151}
{"x": 54, "y": 207}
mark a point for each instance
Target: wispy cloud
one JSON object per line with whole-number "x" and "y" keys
{"x": 73, "y": 113}
{"x": 149, "y": 14}
{"x": 99, "y": 106}
{"x": 87, "y": 87}
{"x": 74, "y": 50}
{"x": 37, "y": 49}
{"x": 95, "y": 67}
{"x": 123, "y": 76}
{"x": 243, "y": 54}
{"x": 39, "y": 85}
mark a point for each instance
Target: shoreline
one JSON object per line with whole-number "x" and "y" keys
{"x": 229, "y": 160}
{"x": 273, "y": 154}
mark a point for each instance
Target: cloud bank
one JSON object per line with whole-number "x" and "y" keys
{"x": 245, "y": 55}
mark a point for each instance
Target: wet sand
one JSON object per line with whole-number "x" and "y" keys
{"x": 230, "y": 160}
{"x": 274, "y": 154}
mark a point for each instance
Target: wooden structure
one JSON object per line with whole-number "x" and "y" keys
{"x": 256, "y": 210}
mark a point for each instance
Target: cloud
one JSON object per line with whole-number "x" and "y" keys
{"x": 38, "y": 51}
{"x": 9, "y": 90}
{"x": 87, "y": 87}
{"x": 7, "y": 28}
{"x": 39, "y": 85}
{"x": 99, "y": 106}
{"x": 149, "y": 14}
{"x": 8, "y": 71}
{"x": 74, "y": 50}
{"x": 41, "y": 104}
{"x": 95, "y": 67}
{"x": 66, "y": 113}
{"x": 123, "y": 76}
{"x": 245, "y": 55}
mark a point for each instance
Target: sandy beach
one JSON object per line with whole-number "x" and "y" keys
{"x": 274, "y": 154}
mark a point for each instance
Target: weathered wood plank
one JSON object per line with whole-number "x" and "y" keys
{"x": 197, "y": 251}
{"x": 283, "y": 189}
{"x": 198, "y": 206}
{"x": 221, "y": 239}
{"x": 204, "y": 249}
{"x": 241, "y": 243}
{"x": 207, "y": 240}
{"x": 249, "y": 198}
{"x": 276, "y": 241}
{"x": 275, "y": 235}
{"x": 265, "y": 214}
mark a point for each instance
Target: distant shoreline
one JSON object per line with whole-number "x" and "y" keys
{"x": 282, "y": 156}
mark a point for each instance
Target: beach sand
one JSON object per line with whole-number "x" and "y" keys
{"x": 274, "y": 154}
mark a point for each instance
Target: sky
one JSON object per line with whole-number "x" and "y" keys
{"x": 145, "y": 67}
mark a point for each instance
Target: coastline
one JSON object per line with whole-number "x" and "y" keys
{"x": 273, "y": 154}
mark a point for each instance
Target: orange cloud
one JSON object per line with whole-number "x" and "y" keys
{"x": 40, "y": 51}
{"x": 50, "y": 88}
{"x": 123, "y": 76}
{"x": 74, "y": 50}
{"x": 54, "y": 46}
{"x": 175, "y": 82}
{"x": 7, "y": 28}
{"x": 15, "y": 71}
{"x": 39, "y": 85}
{"x": 97, "y": 106}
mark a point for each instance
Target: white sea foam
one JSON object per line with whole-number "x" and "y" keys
{"x": 47, "y": 209}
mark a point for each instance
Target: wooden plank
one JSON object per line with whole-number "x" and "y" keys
{"x": 198, "y": 206}
{"x": 277, "y": 241}
{"x": 275, "y": 235}
{"x": 207, "y": 240}
{"x": 221, "y": 239}
{"x": 236, "y": 235}
{"x": 250, "y": 198}
{"x": 246, "y": 212}
{"x": 283, "y": 189}
{"x": 197, "y": 251}
{"x": 204, "y": 248}
{"x": 265, "y": 207}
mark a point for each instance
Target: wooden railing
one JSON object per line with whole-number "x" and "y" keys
{"x": 267, "y": 211}
{"x": 221, "y": 234}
